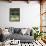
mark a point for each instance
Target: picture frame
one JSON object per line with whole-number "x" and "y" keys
{"x": 14, "y": 14}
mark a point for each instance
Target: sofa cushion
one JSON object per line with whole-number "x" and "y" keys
{"x": 20, "y": 37}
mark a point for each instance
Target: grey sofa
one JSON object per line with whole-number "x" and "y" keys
{"x": 17, "y": 35}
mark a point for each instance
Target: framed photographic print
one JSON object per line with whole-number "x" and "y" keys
{"x": 14, "y": 14}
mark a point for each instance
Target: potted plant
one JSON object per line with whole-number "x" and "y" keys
{"x": 37, "y": 33}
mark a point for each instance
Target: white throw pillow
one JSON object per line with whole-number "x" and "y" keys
{"x": 24, "y": 30}
{"x": 5, "y": 32}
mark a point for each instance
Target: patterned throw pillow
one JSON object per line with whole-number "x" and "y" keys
{"x": 11, "y": 30}
{"x": 17, "y": 30}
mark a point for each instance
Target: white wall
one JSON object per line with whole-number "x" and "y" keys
{"x": 29, "y": 14}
